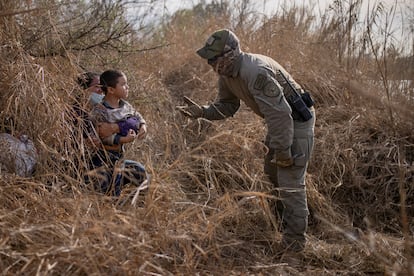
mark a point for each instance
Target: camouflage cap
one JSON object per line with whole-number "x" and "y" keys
{"x": 215, "y": 44}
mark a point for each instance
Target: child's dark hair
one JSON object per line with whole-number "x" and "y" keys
{"x": 110, "y": 78}
{"x": 85, "y": 79}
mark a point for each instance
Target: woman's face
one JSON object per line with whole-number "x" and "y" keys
{"x": 95, "y": 87}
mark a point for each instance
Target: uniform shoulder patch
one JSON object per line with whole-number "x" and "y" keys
{"x": 260, "y": 82}
{"x": 271, "y": 89}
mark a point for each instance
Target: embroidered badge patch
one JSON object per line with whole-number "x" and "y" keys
{"x": 271, "y": 89}
{"x": 260, "y": 82}
{"x": 210, "y": 40}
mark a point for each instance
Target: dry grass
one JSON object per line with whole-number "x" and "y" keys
{"x": 208, "y": 208}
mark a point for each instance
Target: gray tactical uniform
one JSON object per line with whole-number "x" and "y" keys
{"x": 256, "y": 80}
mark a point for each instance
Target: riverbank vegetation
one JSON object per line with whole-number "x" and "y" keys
{"x": 208, "y": 207}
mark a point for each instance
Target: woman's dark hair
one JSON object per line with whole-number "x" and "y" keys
{"x": 110, "y": 78}
{"x": 85, "y": 79}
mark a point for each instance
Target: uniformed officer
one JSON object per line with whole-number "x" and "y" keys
{"x": 266, "y": 87}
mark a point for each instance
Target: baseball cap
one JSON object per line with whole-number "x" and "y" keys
{"x": 214, "y": 45}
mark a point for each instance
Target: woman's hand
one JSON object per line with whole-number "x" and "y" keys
{"x": 142, "y": 131}
{"x": 93, "y": 142}
{"x": 107, "y": 129}
{"x": 130, "y": 136}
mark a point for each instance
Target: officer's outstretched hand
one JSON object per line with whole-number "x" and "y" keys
{"x": 192, "y": 109}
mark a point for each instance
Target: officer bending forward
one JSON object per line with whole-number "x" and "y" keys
{"x": 268, "y": 89}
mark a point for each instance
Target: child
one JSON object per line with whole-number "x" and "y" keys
{"x": 115, "y": 109}
{"x": 92, "y": 95}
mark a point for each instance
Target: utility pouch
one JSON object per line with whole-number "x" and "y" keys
{"x": 307, "y": 98}
{"x": 298, "y": 104}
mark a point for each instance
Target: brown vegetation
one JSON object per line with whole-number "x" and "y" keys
{"x": 208, "y": 208}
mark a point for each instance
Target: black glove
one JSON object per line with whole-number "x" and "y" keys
{"x": 192, "y": 109}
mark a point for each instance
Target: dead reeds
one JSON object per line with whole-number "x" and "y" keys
{"x": 209, "y": 208}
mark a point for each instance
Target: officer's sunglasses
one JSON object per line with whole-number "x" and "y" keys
{"x": 214, "y": 59}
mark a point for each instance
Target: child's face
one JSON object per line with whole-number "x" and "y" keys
{"x": 121, "y": 88}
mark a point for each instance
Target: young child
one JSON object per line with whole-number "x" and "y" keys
{"x": 116, "y": 110}
{"x": 86, "y": 100}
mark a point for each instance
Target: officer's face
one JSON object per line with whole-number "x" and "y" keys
{"x": 213, "y": 61}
